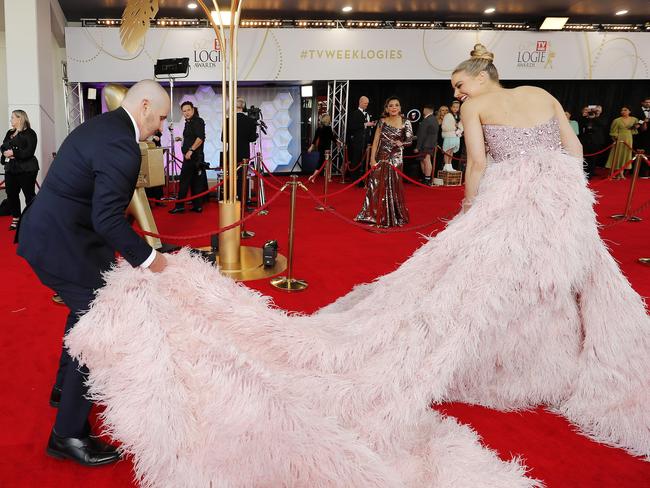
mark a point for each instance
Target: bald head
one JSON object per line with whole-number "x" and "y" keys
{"x": 363, "y": 103}
{"x": 149, "y": 105}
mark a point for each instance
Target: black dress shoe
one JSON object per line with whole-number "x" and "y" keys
{"x": 177, "y": 210}
{"x": 197, "y": 209}
{"x": 87, "y": 451}
{"x": 55, "y": 396}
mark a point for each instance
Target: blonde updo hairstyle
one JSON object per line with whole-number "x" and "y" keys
{"x": 481, "y": 60}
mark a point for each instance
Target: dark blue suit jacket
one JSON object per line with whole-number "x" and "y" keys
{"x": 77, "y": 221}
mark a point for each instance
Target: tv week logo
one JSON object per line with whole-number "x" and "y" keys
{"x": 542, "y": 46}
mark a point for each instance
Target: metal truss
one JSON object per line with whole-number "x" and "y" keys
{"x": 73, "y": 101}
{"x": 337, "y": 107}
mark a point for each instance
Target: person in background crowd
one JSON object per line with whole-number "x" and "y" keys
{"x": 452, "y": 130}
{"x": 574, "y": 124}
{"x": 323, "y": 139}
{"x": 427, "y": 138}
{"x": 156, "y": 191}
{"x": 593, "y": 136}
{"x": 70, "y": 236}
{"x": 384, "y": 204}
{"x": 440, "y": 116}
{"x": 20, "y": 164}
{"x": 359, "y": 130}
{"x": 642, "y": 138}
{"x": 192, "y": 171}
{"x": 621, "y": 131}
{"x": 246, "y": 134}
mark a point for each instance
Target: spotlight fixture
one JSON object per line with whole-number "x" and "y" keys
{"x": 553, "y": 23}
{"x": 622, "y": 12}
{"x": 347, "y": 9}
{"x": 225, "y": 17}
{"x": 489, "y": 10}
{"x": 191, "y": 5}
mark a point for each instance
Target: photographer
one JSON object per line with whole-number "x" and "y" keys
{"x": 246, "y": 134}
{"x": 193, "y": 169}
{"x": 21, "y": 166}
{"x": 593, "y": 133}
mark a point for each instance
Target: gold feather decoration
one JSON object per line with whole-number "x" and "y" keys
{"x": 135, "y": 22}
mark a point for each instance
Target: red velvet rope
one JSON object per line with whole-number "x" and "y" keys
{"x": 213, "y": 232}
{"x": 181, "y": 200}
{"x": 366, "y": 227}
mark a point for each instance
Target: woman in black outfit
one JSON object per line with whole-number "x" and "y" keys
{"x": 20, "y": 164}
{"x": 323, "y": 140}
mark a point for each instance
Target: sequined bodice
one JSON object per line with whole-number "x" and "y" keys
{"x": 506, "y": 142}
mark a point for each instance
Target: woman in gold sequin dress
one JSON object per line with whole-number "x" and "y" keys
{"x": 384, "y": 204}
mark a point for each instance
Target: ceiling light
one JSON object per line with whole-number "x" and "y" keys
{"x": 489, "y": 10}
{"x": 191, "y": 5}
{"x": 225, "y": 17}
{"x": 553, "y": 23}
{"x": 622, "y": 12}
{"x": 347, "y": 8}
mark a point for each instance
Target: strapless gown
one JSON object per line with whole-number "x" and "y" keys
{"x": 516, "y": 303}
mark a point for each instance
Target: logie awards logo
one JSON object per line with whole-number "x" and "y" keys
{"x": 539, "y": 57}
{"x": 207, "y": 53}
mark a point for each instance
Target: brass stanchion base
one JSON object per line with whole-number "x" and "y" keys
{"x": 633, "y": 218}
{"x": 247, "y": 234}
{"x": 251, "y": 266}
{"x": 645, "y": 261}
{"x": 288, "y": 284}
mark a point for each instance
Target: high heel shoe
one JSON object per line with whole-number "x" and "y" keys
{"x": 14, "y": 223}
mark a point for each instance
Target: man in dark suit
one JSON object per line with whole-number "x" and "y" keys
{"x": 642, "y": 138}
{"x": 427, "y": 138}
{"x": 246, "y": 133}
{"x": 359, "y": 129}
{"x": 71, "y": 232}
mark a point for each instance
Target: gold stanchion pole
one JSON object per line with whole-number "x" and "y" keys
{"x": 327, "y": 168}
{"x": 261, "y": 194}
{"x": 626, "y": 215}
{"x": 289, "y": 283}
{"x": 245, "y": 234}
{"x": 346, "y": 163}
{"x": 614, "y": 158}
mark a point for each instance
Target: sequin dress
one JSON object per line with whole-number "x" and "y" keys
{"x": 517, "y": 303}
{"x": 384, "y": 204}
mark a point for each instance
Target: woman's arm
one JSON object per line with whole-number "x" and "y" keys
{"x": 408, "y": 133}
{"x": 27, "y": 145}
{"x": 570, "y": 141}
{"x": 375, "y": 145}
{"x": 613, "y": 129}
{"x": 475, "y": 146}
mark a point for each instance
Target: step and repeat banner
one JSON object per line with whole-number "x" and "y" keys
{"x": 95, "y": 54}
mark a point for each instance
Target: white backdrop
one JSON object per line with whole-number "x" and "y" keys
{"x": 95, "y": 54}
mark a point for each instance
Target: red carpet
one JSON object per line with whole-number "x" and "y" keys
{"x": 332, "y": 256}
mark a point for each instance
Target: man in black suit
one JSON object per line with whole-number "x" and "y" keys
{"x": 359, "y": 130}
{"x": 427, "y": 138}
{"x": 642, "y": 138}
{"x": 71, "y": 232}
{"x": 246, "y": 133}
{"x": 594, "y": 136}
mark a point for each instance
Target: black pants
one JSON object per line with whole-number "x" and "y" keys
{"x": 191, "y": 180}
{"x": 72, "y": 416}
{"x": 14, "y": 183}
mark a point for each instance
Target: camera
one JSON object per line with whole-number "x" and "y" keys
{"x": 269, "y": 253}
{"x": 254, "y": 112}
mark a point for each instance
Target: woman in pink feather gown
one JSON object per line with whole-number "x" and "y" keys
{"x": 516, "y": 303}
